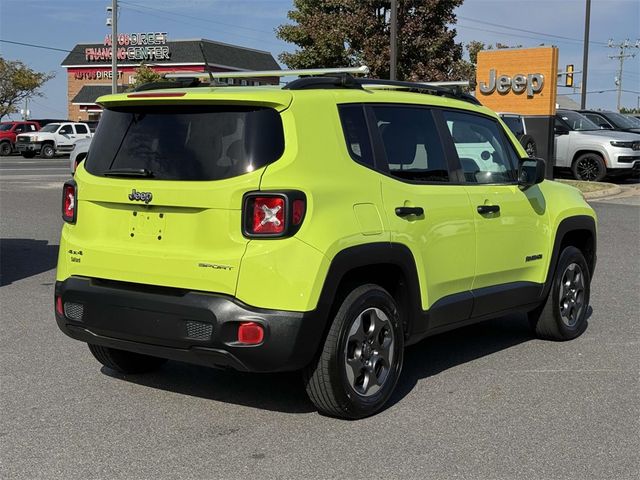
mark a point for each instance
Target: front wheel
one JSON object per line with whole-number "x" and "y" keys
{"x": 48, "y": 151}
{"x": 589, "y": 167}
{"x": 361, "y": 361}
{"x": 125, "y": 362}
{"x": 564, "y": 315}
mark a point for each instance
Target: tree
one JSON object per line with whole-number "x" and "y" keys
{"x": 144, "y": 74}
{"x": 338, "y": 33}
{"x": 17, "y": 83}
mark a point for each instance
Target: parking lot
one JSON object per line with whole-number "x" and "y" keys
{"x": 485, "y": 402}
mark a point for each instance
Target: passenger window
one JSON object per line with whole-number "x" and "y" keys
{"x": 484, "y": 151}
{"x": 356, "y": 134}
{"x": 66, "y": 130}
{"x": 412, "y": 143}
{"x": 81, "y": 129}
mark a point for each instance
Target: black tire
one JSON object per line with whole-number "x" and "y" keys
{"x": 125, "y": 362}
{"x": 530, "y": 146}
{"x": 559, "y": 318}
{"x": 47, "y": 151}
{"x": 589, "y": 167}
{"x": 5, "y": 149}
{"x": 368, "y": 315}
{"x": 28, "y": 154}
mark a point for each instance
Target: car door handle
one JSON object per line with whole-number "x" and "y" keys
{"x": 406, "y": 211}
{"x": 482, "y": 209}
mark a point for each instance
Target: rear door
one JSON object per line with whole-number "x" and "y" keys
{"x": 66, "y": 136}
{"x": 160, "y": 193}
{"x": 424, "y": 207}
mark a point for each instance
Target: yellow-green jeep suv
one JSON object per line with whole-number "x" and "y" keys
{"x": 321, "y": 226}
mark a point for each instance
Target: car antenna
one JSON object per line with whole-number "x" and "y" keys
{"x": 207, "y": 68}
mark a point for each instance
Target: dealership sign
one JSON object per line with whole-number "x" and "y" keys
{"x": 531, "y": 83}
{"x": 132, "y": 46}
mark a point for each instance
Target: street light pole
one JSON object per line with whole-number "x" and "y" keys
{"x": 394, "y": 39}
{"x": 585, "y": 56}
{"x": 114, "y": 46}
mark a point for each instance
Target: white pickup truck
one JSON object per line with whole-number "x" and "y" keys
{"x": 53, "y": 139}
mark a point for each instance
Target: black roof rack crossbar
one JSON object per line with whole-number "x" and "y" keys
{"x": 343, "y": 80}
{"x": 178, "y": 83}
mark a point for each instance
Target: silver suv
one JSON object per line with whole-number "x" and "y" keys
{"x": 593, "y": 153}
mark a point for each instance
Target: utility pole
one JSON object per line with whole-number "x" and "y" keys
{"x": 114, "y": 46}
{"x": 623, "y": 46}
{"x": 585, "y": 56}
{"x": 394, "y": 39}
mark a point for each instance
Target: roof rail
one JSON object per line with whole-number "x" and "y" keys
{"x": 363, "y": 70}
{"x": 443, "y": 89}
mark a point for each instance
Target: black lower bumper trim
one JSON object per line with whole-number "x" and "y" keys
{"x": 194, "y": 327}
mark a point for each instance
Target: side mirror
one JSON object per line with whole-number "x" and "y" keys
{"x": 531, "y": 172}
{"x": 560, "y": 130}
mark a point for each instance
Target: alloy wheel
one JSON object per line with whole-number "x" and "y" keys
{"x": 588, "y": 168}
{"x": 369, "y": 351}
{"x": 571, "y": 295}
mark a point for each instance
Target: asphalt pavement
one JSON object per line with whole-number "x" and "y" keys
{"x": 485, "y": 402}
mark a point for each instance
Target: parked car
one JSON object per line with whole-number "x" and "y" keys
{"x": 53, "y": 139}
{"x": 78, "y": 153}
{"x": 9, "y": 131}
{"x": 517, "y": 125}
{"x": 592, "y": 153}
{"x": 611, "y": 120}
{"x": 233, "y": 227}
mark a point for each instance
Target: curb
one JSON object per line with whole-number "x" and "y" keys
{"x": 607, "y": 192}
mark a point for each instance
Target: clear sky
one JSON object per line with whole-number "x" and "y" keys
{"x": 251, "y": 23}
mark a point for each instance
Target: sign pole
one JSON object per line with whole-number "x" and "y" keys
{"x": 585, "y": 56}
{"x": 393, "y": 20}
{"x": 114, "y": 46}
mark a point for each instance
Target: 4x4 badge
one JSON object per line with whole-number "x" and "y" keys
{"x": 140, "y": 196}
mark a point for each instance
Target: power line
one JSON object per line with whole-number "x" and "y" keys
{"x": 35, "y": 46}
{"x": 168, "y": 12}
{"x": 547, "y": 35}
{"x": 166, "y": 16}
{"x": 505, "y": 33}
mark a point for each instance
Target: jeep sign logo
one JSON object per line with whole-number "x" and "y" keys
{"x": 140, "y": 196}
{"x": 520, "y": 83}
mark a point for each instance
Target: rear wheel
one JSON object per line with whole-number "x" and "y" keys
{"x": 125, "y": 362}
{"x": 564, "y": 315}
{"x": 5, "y": 149}
{"x": 589, "y": 167}
{"x": 28, "y": 154}
{"x": 47, "y": 151}
{"x": 361, "y": 361}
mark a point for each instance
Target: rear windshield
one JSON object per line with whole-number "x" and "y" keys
{"x": 186, "y": 142}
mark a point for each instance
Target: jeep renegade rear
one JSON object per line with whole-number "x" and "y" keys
{"x": 319, "y": 227}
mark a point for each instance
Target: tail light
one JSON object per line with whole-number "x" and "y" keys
{"x": 70, "y": 202}
{"x": 250, "y": 333}
{"x": 273, "y": 215}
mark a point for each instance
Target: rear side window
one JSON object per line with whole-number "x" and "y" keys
{"x": 356, "y": 134}
{"x": 81, "y": 129}
{"x": 411, "y": 143}
{"x": 186, "y": 142}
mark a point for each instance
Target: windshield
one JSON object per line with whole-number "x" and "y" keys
{"x": 634, "y": 120}
{"x": 577, "y": 121}
{"x": 188, "y": 142}
{"x": 4, "y": 127}
{"x": 52, "y": 127}
{"x": 620, "y": 120}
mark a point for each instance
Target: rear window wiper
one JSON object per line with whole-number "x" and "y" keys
{"x": 128, "y": 172}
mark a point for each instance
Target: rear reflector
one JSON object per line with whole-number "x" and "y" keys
{"x": 59, "y": 309}
{"x": 250, "y": 333}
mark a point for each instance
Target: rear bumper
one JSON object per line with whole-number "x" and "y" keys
{"x": 189, "y": 326}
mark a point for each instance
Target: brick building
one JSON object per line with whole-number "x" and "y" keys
{"x": 89, "y": 65}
